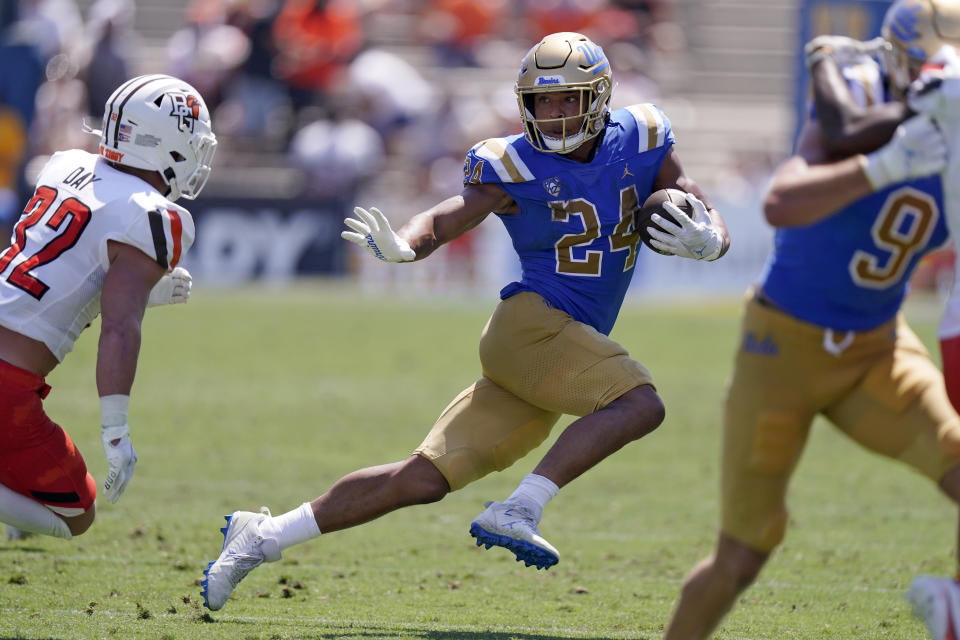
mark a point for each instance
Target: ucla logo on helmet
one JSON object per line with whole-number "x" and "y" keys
{"x": 186, "y": 108}
{"x": 903, "y": 23}
{"x": 593, "y": 54}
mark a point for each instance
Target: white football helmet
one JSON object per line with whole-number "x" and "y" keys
{"x": 565, "y": 62}
{"x": 160, "y": 123}
{"x": 917, "y": 29}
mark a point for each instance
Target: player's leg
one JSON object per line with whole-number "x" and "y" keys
{"x": 514, "y": 522}
{"x": 24, "y": 515}
{"x": 484, "y": 429}
{"x": 250, "y": 538}
{"x": 901, "y": 410}
{"x": 950, "y": 354}
{"x": 44, "y": 484}
{"x": 949, "y": 335}
{"x": 595, "y": 436}
{"x": 781, "y": 378}
{"x": 542, "y": 355}
{"x": 711, "y": 588}
{"x": 936, "y": 599}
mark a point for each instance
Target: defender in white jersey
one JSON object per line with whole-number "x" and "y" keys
{"x": 566, "y": 190}
{"x": 101, "y": 235}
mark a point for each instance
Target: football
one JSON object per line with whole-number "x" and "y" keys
{"x": 654, "y": 204}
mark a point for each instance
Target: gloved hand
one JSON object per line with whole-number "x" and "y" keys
{"x": 121, "y": 457}
{"x": 374, "y": 234}
{"x": 172, "y": 288}
{"x": 696, "y": 237}
{"x": 842, "y": 49}
{"x": 917, "y": 149}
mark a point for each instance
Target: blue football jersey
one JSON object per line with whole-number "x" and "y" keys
{"x": 574, "y": 230}
{"x": 851, "y": 271}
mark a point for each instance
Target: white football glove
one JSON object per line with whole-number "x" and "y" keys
{"x": 917, "y": 149}
{"x": 842, "y": 49}
{"x": 696, "y": 237}
{"x": 172, "y": 288}
{"x": 374, "y": 234}
{"x": 121, "y": 457}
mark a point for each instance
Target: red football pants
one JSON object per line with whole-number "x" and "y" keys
{"x": 37, "y": 457}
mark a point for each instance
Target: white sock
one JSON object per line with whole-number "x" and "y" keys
{"x": 292, "y": 527}
{"x": 29, "y": 515}
{"x": 534, "y": 493}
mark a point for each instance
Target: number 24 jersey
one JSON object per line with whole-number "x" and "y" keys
{"x": 52, "y": 274}
{"x": 574, "y": 231}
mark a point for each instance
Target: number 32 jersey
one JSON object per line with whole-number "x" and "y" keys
{"x": 574, "y": 229}
{"x": 52, "y": 274}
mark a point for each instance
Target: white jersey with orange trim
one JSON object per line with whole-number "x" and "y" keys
{"x": 52, "y": 274}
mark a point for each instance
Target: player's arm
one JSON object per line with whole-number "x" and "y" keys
{"x": 123, "y": 299}
{"x": 453, "y": 217}
{"x": 672, "y": 176}
{"x": 806, "y": 188}
{"x": 424, "y": 232}
{"x": 846, "y": 128}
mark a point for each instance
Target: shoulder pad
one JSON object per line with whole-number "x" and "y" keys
{"x": 161, "y": 229}
{"x": 653, "y": 127}
{"x": 500, "y": 155}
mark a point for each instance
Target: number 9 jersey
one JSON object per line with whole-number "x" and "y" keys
{"x": 858, "y": 273}
{"x": 52, "y": 274}
{"x": 574, "y": 230}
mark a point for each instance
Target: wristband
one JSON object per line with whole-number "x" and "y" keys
{"x": 875, "y": 170}
{"x": 818, "y": 54}
{"x": 113, "y": 410}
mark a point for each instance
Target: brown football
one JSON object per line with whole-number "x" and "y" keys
{"x": 654, "y": 204}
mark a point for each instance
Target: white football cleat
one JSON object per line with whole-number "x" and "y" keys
{"x": 936, "y": 601}
{"x": 17, "y": 534}
{"x": 244, "y": 549}
{"x": 513, "y": 527}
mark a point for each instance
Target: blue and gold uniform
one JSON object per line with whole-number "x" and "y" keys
{"x": 545, "y": 351}
{"x": 574, "y": 230}
{"x": 823, "y": 334}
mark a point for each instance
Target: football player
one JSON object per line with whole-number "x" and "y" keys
{"x": 101, "y": 235}
{"x": 566, "y": 190}
{"x": 823, "y": 334}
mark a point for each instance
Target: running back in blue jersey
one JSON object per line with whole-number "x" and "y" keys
{"x": 574, "y": 230}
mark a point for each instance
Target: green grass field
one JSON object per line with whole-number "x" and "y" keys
{"x": 263, "y": 397}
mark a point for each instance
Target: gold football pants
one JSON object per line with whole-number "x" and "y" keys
{"x": 538, "y": 363}
{"x": 879, "y": 387}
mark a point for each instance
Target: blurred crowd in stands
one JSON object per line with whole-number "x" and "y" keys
{"x": 332, "y": 99}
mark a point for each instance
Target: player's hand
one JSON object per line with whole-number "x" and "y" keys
{"x": 917, "y": 148}
{"x": 842, "y": 49}
{"x": 696, "y": 237}
{"x": 121, "y": 457}
{"x": 173, "y": 288}
{"x": 374, "y": 234}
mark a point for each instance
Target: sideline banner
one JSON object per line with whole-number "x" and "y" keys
{"x": 243, "y": 239}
